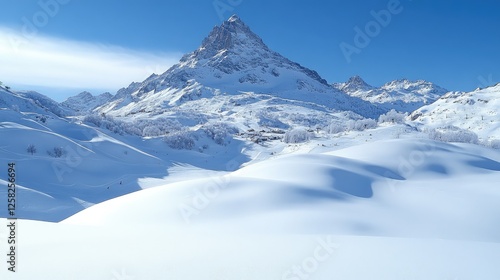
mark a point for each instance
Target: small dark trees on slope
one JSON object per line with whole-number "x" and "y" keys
{"x": 31, "y": 149}
{"x": 57, "y": 152}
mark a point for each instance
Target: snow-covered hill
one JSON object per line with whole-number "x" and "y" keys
{"x": 401, "y": 209}
{"x": 362, "y": 190}
{"x": 69, "y": 167}
{"x": 28, "y": 101}
{"x": 47, "y": 103}
{"x": 66, "y": 166}
{"x": 477, "y": 111}
{"x": 85, "y": 102}
{"x": 402, "y": 95}
{"x": 233, "y": 68}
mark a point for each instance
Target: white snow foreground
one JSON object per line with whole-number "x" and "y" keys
{"x": 403, "y": 188}
{"x": 397, "y": 209}
{"x": 137, "y": 251}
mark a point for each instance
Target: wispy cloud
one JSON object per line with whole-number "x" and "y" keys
{"x": 58, "y": 63}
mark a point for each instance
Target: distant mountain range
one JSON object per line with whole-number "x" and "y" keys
{"x": 229, "y": 103}
{"x": 235, "y": 77}
{"x": 402, "y": 95}
{"x": 85, "y": 102}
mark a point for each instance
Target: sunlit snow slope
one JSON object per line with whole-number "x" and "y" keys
{"x": 476, "y": 111}
{"x": 397, "y": 209}
{"x": 404, "y": 188}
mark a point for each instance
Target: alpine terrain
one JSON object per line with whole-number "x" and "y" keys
{"x": 402, "y": 95}
{"x": 238, "y": 163}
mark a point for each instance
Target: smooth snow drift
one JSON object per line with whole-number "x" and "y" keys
{"x": 402, "y": 188}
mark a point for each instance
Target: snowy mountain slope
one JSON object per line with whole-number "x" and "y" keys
{"x": 403, "y": 188}
{"x": 230, "y": 61}
{"x": 85, "y": 102}
{"x": 476, "y": 111}
{"x": 402, "y": 95}
{"x": 249, "y": 113}
{"x": 72, "y": 165}
{"x": 442, "y": 198}
{"x": 149, "y": 211}
{"x": 46, "y": 102}
{"x": 26, "y": 102}
{"x": 97, "y": 155}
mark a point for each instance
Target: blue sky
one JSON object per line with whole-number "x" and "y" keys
{"x": 61, "y": 47}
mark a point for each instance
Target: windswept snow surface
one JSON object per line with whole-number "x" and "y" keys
{"x": 91, "y": 168}
{"x": 401, "y": 188}
{"x": 390, "y": 209}
{"x": 138, "y": 251}
{"x": 95, "y": 165}
{"x": 407, "y": 208}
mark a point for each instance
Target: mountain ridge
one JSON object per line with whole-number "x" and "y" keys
{"x": 232, "y": 60}
{"x": 476, "y": 111}
{"x": 401, "y": 94}
{"x": 85, "y": 101}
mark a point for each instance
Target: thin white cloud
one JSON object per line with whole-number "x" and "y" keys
{"x": 58, "y": 63}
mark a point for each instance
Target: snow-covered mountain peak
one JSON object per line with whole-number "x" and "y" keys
{"x": 231, "y": 61}
{"x": 399, "y": 83}
{"x": 84, "y": 94}
{"x": 234, "y": 18}
{"x": 233, "y": 48}
{"x": 85, "y": 102}
{"x": 419, "y": 87}
{"x": 356, "y": 83}
{"x": 402, "y": 94}
{"x": 232, "y": 36}
{"x": 106, "y": 95}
